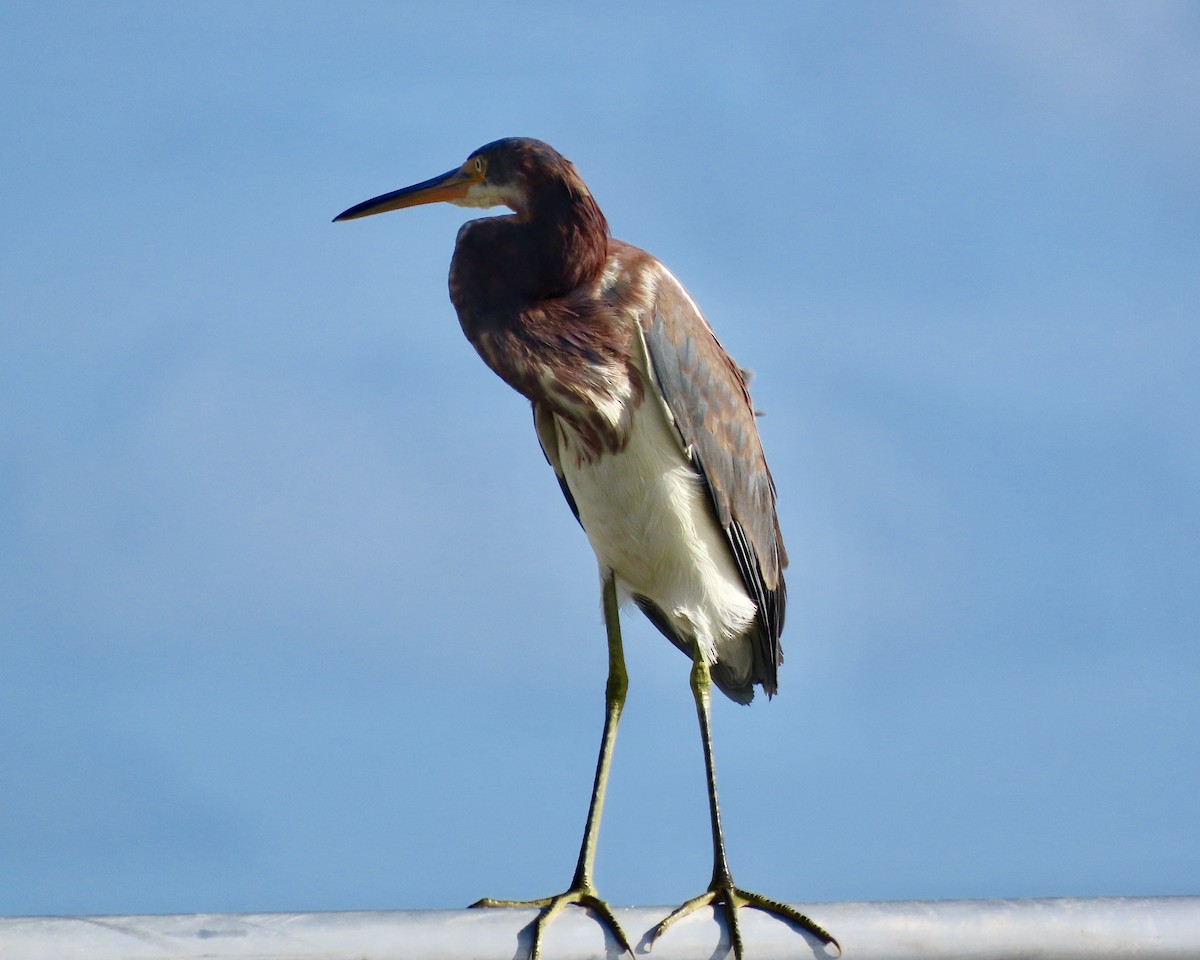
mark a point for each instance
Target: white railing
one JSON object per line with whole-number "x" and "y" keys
{"x": 1128, "y": 928}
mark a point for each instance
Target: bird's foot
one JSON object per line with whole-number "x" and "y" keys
{"x": 731, "y": 899}
{"x": 551, "y": 907}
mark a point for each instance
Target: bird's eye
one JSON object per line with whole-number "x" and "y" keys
{"x": 479, "y": 164}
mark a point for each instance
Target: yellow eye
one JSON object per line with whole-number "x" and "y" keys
{"x": 479, "y": 165}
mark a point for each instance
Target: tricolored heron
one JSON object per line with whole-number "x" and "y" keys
{"x": 648, "y": 425}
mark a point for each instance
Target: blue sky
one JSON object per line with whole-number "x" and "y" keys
{"x": 292, "y": 615}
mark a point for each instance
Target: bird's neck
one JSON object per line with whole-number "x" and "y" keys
{"x": 543, "y": 253}
{"x": 526, "y": 289}
{"x": 572, "y": 242}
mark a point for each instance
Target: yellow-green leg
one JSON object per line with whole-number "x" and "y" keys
{"x": 721, "y": 890}
{"x": 582, "y": 891}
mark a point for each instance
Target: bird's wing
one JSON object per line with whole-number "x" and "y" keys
{"x": 547, "y": 434}
{"x": 706, "y": 397}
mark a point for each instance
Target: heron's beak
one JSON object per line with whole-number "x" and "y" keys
{"x": 449, "y": 186}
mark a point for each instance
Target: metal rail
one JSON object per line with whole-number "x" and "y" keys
{"x": 1129, "y": 928}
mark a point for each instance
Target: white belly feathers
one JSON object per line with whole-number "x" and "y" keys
{"x": 647, "y": 516}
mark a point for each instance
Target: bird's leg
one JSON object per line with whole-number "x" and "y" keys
{"x": 721, "y": 890}
{"x": 582, "y": 891}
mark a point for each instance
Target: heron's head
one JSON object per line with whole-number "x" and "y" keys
{"x": 519, "y": 173}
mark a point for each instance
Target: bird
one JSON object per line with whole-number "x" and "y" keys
{"x": 648, "y": 425}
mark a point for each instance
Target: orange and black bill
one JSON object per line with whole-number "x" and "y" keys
{"x": 449, "y": 186}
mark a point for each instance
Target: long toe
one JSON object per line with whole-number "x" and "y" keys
{"x": 745, "y": 898}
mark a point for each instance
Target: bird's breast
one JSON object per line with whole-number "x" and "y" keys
{"x": 573, "y": 354}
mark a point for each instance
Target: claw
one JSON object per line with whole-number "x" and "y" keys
{"x": 731, "y": 900}
{"x": 551, "y": 907}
